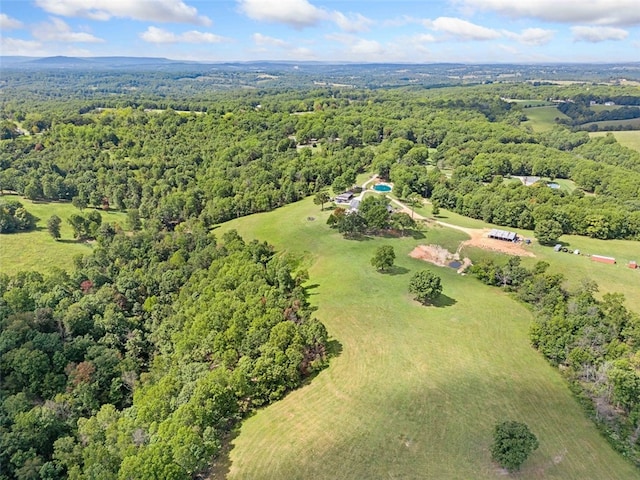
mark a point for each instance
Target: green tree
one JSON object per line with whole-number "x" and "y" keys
{"x": 80, "y": 202}
{"x": 513, "y": 442}
{"x": 352, "y": 224}
{"x": 133, "y": 219}
{"x": 321, "y": 198}
{"x": 435, "y": 208}
{"x": 383, "y": 258}
{"x": 426, "y": 286}
{"x": 548, "y": 231}
{"x": 53, "y": 226}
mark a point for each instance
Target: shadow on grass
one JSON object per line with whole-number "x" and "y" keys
{"x": 334, "y": 348}
{"x": 444, "y": 301}
{"x": 417, "y": 235}
{"x": 308, "y": 289}
{"x": 396, "y": 270}
{"x": 358, "y": 237}
{"x": 221, "y": 465}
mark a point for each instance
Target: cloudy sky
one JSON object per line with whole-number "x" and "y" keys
{"x": 475, "y": 31}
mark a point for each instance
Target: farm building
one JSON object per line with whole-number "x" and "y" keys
{"x": 602, "y": 259}
{"x": 503, "y": 235}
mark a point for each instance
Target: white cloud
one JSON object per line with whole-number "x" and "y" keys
{"x": 301, "y": 13}
{"x": 266, "y": 45}
{"x": 597, "y": 12}
{"x": 358, "y": 47}
{"x": 461, "y": 29}
{"x": 531, "y": 36}
{"x": 402, "y": 21}
{"x": 264, "y": 40}
{"x": 58, "y": 31}
{"x": 423, "y": 38}
{"x": 8, "y": 23}
{"x": 146, "y": 10}
{"x": 17, "y": 46}
{"x": 296, "y": 13}
{"x": 159, "y": 35}
{"x": 353, "y": 23}
{"x": 598, "y": 34}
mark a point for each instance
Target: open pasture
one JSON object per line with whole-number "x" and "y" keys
{"x": 629, "y": 138}
{"x": 37, "y": 250}
{"x": 415, "y": 391}
{"x": 542, "y": 118}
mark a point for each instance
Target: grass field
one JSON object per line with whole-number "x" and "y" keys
{"x": 630, "y": 139}
{"x": 415, "y": 391}
{"x": 542, "y": 118}
{"x": 631, "y": 123}
{"x": 36, "y": 250}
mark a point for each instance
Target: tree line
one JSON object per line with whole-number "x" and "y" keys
{"x": 594, "y": 343}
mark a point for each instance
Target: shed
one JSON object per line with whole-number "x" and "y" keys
{"x": 503, "y": 235}
{"x": 344, "y": 197}
{"x": 603, "y": 259}
{"x": 633, "y": 265}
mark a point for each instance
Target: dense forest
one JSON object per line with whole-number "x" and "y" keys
{"x": 138, "y": 360}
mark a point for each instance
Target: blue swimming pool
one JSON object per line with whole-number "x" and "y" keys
{"x": 382, "y": 187}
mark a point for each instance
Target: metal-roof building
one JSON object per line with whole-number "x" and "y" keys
{"x": 503, "y": 235}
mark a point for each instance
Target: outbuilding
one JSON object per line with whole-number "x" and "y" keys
{"x": 503, "y": 235}
{"x": 344, "y": 197}
{"x": 603, "y": 259}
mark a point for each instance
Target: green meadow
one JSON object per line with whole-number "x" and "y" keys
{"x": 414, "y": 392}
{"x": 37, "y": 250}
{"x": 629, "y": 138}
{"x": 542, "y": 118}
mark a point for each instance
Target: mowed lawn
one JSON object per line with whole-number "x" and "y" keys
{"x": 416, "y": 391}
{"x": 37, "y": 250}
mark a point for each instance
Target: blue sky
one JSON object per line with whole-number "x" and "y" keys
{"x": 472, "y": 31}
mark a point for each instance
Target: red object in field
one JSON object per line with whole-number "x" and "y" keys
{"x": 601, "y": 259}
{"x": 633, "y": 265}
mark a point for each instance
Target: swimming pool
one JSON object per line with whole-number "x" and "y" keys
{"x": 382, "y": 187}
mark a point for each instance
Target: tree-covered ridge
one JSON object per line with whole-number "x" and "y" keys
{"x": 253, "y": 154}
{"x": 138, "y": 362}
{"x": 595, "y": 343}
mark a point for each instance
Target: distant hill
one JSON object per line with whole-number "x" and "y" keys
{"x": 60, "y": 60}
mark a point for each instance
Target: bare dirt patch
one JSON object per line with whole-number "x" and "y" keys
{"x": 439, "y": 256}
{"x": 479, "y": 239}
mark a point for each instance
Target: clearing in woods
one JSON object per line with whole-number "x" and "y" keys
{"x": 415, "y": 391}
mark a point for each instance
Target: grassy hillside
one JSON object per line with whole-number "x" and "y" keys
{"x": 36, "y": 250}
{"x": 630, "y": 123}
{"x": 415, "y": 391}
{"x": 542, "y": 118}
{"x": 629, "y": 139}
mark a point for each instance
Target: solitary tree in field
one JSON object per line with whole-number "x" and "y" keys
{"x": 53, "y": 226}
{"x": 548, "y": 231}
{"x": 426, "y": 286}
{"x": 321, "y": 198}
{"x": 435, "y": 208}
{"x": 383, "y": 258}
{"x": 513, "y": 442}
